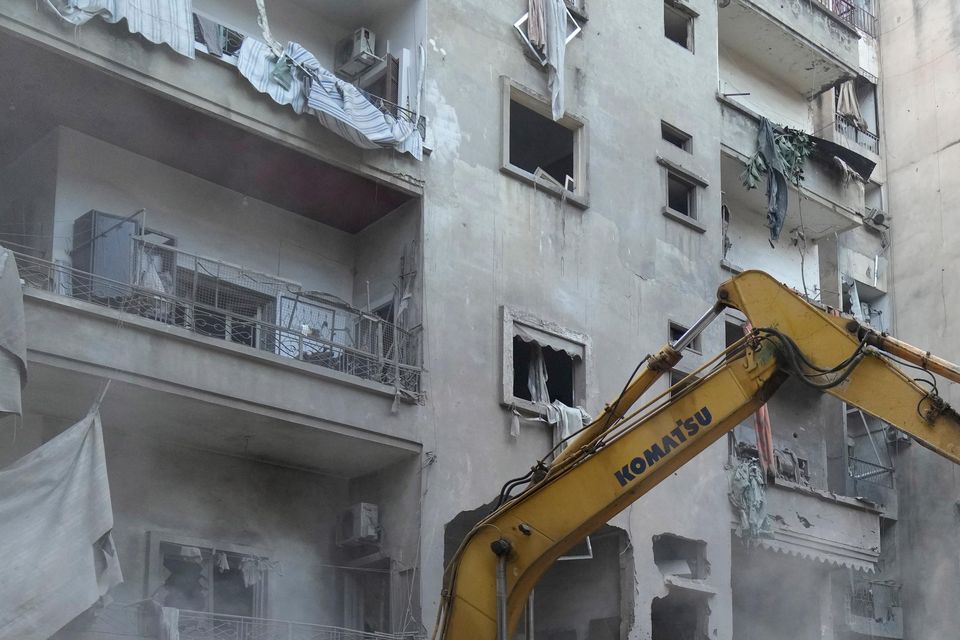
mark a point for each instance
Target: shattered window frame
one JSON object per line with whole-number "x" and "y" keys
{"x": 512, "y": 91}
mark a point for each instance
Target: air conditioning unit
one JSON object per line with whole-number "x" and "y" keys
{"x": 356, "y": 53}
{"x": 358, "y": 525}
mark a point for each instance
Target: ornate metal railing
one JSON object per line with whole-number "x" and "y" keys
{"x": 290, "y": 324}
{"x": 865, "y": 139}
{"x": 853, "y": 15}
{"x": 870, "y": 472}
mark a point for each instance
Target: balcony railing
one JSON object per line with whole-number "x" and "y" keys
{"x": 853, "y": 15}
{"x": 865, "y": 139}
{"x": 870, "y": 472}
{"x": 206, "y": 298}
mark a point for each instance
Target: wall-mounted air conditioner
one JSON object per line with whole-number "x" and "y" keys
{"x": 356, "y": 53}
{"x": 358, "y": 525}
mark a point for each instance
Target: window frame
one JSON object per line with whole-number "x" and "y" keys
{"x": 695, "y": 345}
{"x": 582, "y": 372}
{"x": 667, "y": 128}
{"x": 514, "y": 91}
{"x": 154, "y": 578}
{"x": 690, "y": 14}
{"x": 697, "y": 184}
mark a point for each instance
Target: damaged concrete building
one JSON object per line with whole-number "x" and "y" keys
{"x": 257, "y": 219}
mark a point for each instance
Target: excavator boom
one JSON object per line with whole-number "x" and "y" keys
{"x": 621, "y": 456}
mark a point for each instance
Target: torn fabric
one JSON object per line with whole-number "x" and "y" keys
{"x": 748, "y": 496}
{"x": 536, "y": 27}
{"x": 555, "y": 25}
{"x": 848, "y": 107}
{"x": 764, "y": 429}
{"x": 55, "y": 523}
{"x": 213, "y": 34}
{"x": 776, "y": 179}
{"x": 566, "y": 421}
{"x": 257, "y": 62}
{"x": 345, "y": 110}
{"x": 537, "y": 376}
{"x": 13, "y": 341}
{"x": 167, "y": 22}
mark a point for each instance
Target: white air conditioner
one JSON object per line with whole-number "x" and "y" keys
{"x": 358, "y": 525}
{"x": 356, "y": 53}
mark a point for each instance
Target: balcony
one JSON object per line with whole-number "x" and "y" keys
{"x": 873, "y": 609}
{"x": 867, "y": 140}
{"x": 211, "y": 299}
{"x": 798, "y": 44}
{"x": 853, "y": 15}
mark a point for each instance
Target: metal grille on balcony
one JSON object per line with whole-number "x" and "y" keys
{"x": 865, "y": 139}
{"x": 853, "y": 15}
{"x": 870, "y": 472}
{"x": 216, "y": 300}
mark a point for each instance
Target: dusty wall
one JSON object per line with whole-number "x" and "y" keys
{"x": 922, "y": 82}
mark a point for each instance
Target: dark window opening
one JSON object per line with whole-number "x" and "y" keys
{"x": 680, "y": 195}
{"x": 559, "y": 367}
{"x": 186, "y": 585}
{"x": 680, "y": 616}
{"x": 680, "y": 381}
{"x": 231, "y": 595}
{"x": 682, "y": 557}
{"x": 537, "y": 142}
{"x": 732, "y": 332}
{"x": 677, "y": 25}
{"x": 677, "y": 331}
{"x": 675, "y": 136}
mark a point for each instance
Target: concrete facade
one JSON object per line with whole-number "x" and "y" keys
{"x": 225, "y": 440}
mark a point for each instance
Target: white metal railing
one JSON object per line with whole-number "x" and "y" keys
{"x": 199, "y": 625}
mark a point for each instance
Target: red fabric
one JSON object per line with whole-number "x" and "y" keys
{"x": 764, "y": 429}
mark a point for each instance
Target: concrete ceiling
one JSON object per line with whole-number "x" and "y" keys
{"x": 117, "y": 112}
{"x": 777, "y": 51}
{"x": 185, "y": 421}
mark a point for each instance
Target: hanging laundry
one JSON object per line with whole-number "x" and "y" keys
{"x": 167, "y": 22}
{"x": 776, "y": 180}
{"x": 13, "y": 341}
{"x": 257, "y": 62}
{"x": 537, "y": 376}
{"x": 345, "y": 110}
{"x": 566, "y": 421}
{"x": 55, "y": 520}
{"x": 848, "y": 107}
{"x": 221, "y": 562}
{"x": 250, "y": 568}
{"x": 555, "y": 21}
{"x": 536, "y": 27}
{"x": 213, "y": 34}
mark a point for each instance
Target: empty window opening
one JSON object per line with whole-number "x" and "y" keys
{"x": 681, "y": 195}
{"x": 680, "y": 381}
{"x": 205, "y": 579}
{"x": 681, "y": 615}
{"x": 675, "y": 136}
{"x": 681, "y": 557}
{"x": 677, "y": 331}
{"x": 733, "y": 332}
{"x": 537, "y": 142}
{"x": 531, "y": 363}
{"x": 678, "y": 25}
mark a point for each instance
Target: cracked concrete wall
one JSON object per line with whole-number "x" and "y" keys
{"x": 921, "y": 74}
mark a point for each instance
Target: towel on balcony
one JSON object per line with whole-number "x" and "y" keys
{"x": 159, "y": 21}
{"x": 346, "y": 111}
{"x": 13, "y": 342}
{"x": 257, "y": 63}
{"x": 55, "y": 520}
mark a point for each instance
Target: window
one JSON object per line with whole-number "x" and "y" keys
{"x": 677, "y": 330}
{"x": 550, "y": 155}
{"x": 675, "y": 136}
{"x": 681, "y": 614}
{"x": 681, "y": 195}
{"x": 200, "y": 575}
{"x": 681, "y": 557}
{"x": 680, "y": 381}
{"x": 542, "y": 363}
{"x": 678, "y": 24}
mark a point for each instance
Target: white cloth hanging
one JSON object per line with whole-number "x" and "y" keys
{"x": 537, "y": 376}
{"x": 555, "y": 21}
{"x": 566, "y": 421}
{"x": 13, "y": 342}
{"x": 849, "y": 107}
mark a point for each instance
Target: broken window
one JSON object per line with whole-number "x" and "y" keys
{"x": 541, "y": 363}
{"x": 677, "y": 331}
{"x": 680, "y": 557}
{"x": 678, "y": 24}
{"x": 681, "y": 195}
{"x": 197, "y": 578}
{"x": 539, "y": 150}
{"x": 675, "y": 136}
{"x": 681, "y": 615}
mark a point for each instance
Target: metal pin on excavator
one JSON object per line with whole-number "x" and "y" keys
{"x": 628, "y": 450}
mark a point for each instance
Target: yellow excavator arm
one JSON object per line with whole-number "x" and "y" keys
{"x": 627, "y": 451}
